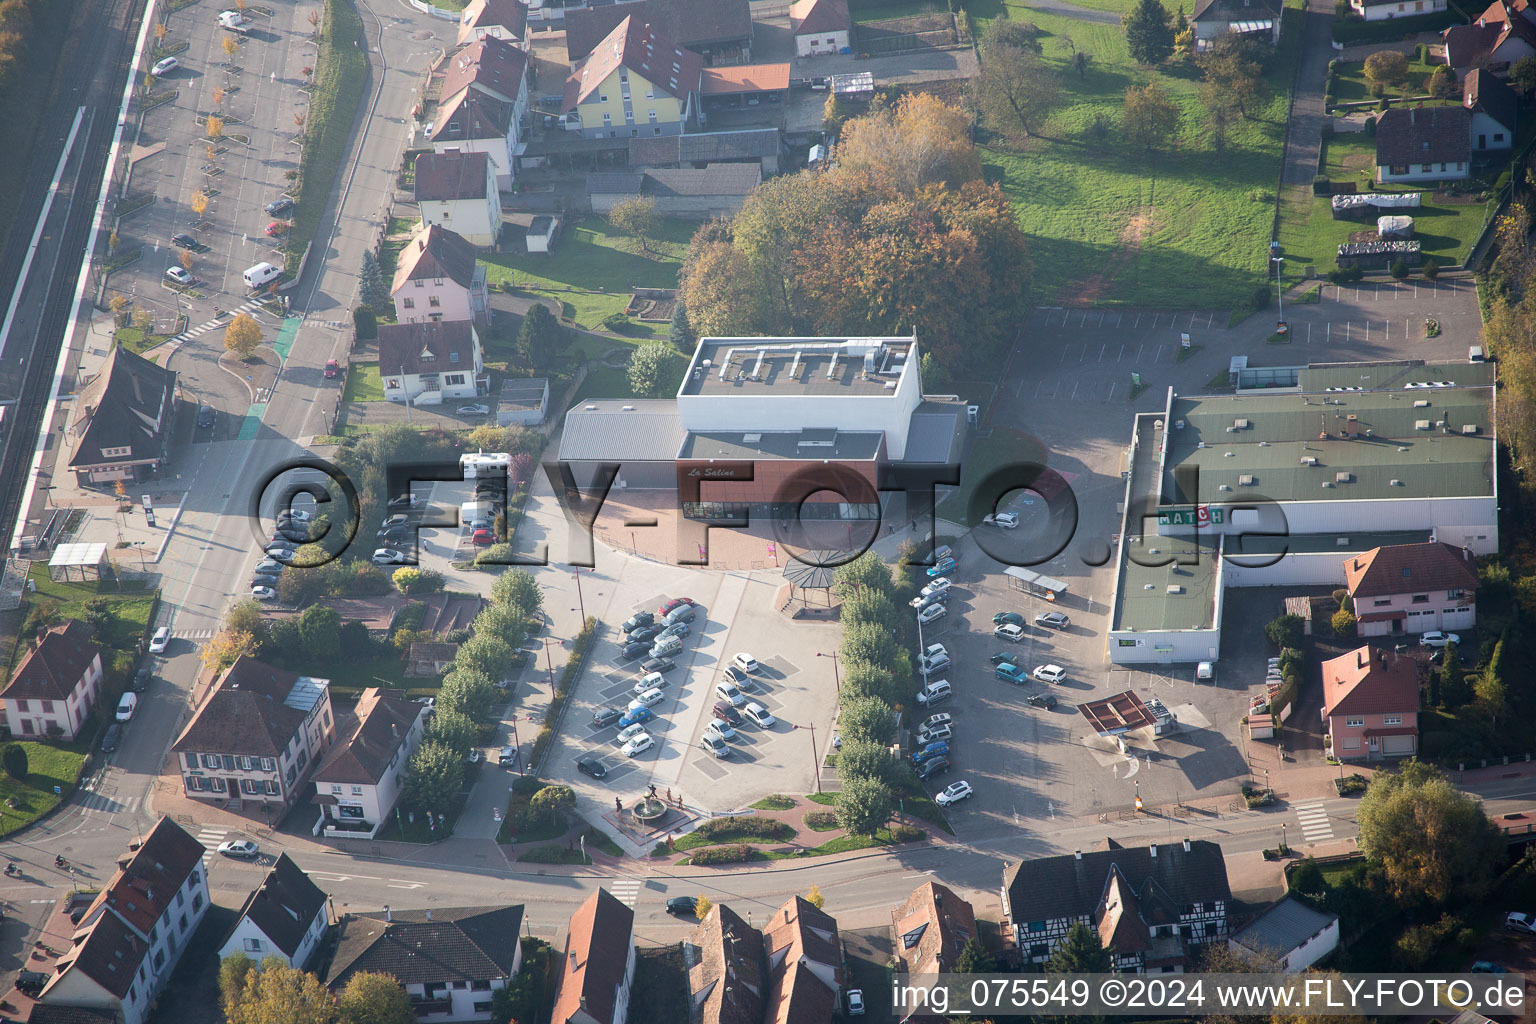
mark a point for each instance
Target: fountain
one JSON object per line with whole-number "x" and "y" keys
{"x": 649, "y": 809}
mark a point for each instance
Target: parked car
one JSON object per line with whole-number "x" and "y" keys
{"x": 677, "y": 629}
{"x": 508, "y": 755}
{"x": 920, "y": 601}
{"x": 141, "y": 680}
{"x": 269, "y": 567}
{"x": 934, "y": 766}
{"x": 1055, "y": 620}
{"x": 934, "y": 692}
{"x": 669, "y": 607}
{"x": 1049, "y": 673}
{"x": 164, "y": 67}
{"x": 639, "y": 745}
{"x": 111, "y": 738}
{"x": 759, "y": 715}
{"x": 242, "y": 848}
{"x": 935, "y": 664}
{"x": 934, "y": 721}
{"x": 591, "y": 766}
{"x": 682, "y": 905}
{"x": 280, "y": 205}
{"x": 938, "y": 748}
{"x": 727, "y": 690}
{"x": 264, "y": 580}
{"x": 741, "y": 679}
{"x": 714, "y": 744}
{"x": 263, "y": 592}
{"x": 634, "y": 715}
{"x": 942, "y": 583}
{"x": 179, "y": 274}
{"x": 942, "y": 567}
{"x": 1436, "y": 639}
{"x": 725, "y": 713}
{"x": 855, "y": 1002}
{"x": 300, "y": 515}
{"x": 933, "y": 611}
{"x": 643, "y": 634}
{"x": 182, "y": 240}
{"x": 939, "y": 732}
{"x": 387, "y": 556}
{"x": 629, "y": 732}
{"x": 474, "y": 409}
{"x": 158, "y": 642}
{"x": 745, "y": 662}
{"x": 403, "y": 501}
{"x": 1489, "y": 967}
{"x": 648, "y": 699}
{"x": 275, "y": 228}
{"x": 332, "y": 371}
{"x": 637, "y": 620}
{"x": 658, "y": 665}
{"x": 1002, "y": 520}
{"x": 666, "y": 646}
{"x": 604, "y": 717}
{"x": 482, "y": 538}
{"x": 1011, "y": 618}
{"x": 1010, "y": 673}
{"x": 127, "y": 706}
{"x": 721, "y": 728}
{"x": 682, "y": 613}
{"x": 280, "y": 551}
{"x": 1041, "y": 700}
{"x": 1002, "y": 657}
{"x": 633, "y": 650}
{"x": 954, "y": 793}
{"x": 1519, "y": 922}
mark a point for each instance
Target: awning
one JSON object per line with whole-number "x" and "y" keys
{"x": 1245, "y": 27}
{"x": 1396, "y": 730}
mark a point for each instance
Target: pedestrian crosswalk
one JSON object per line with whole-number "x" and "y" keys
{"x": 109, "y": 804}
{"x": 1315, "y": 824}
{"x": 193, "y": 634}
{"x": 625, "y": 890}
{"x": 211, "y": 837}
{"x": 215, "y": 323}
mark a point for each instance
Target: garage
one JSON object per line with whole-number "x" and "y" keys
{"x": 1397, "y": 743}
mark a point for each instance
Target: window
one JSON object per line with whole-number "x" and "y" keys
{"x": 434, "y": 301}
{"x": 112, "y": 452}
{"x": 1421, "y": 599}
{"x": 194, "y": 783}
{"x": 1038, "y": 950}
{"x": 159, "y": 959}
{"x": 1381, "y": 602}
{"x": 216, "y": 785}
{"x": 26, "y": 725}
{"x": 182, "y": 924}
{"x": 273, "y": 789}
{"x": 1352, "y": 743}
{"x": 1498, "y": 136}
{"x": 1354, "y": 721}
{"x": 229, "y": 762}
{"x": 1037, "y": 926}
{"x": 419, "y": 283}
{"x": 357, "y": 790}
{"x": 336, "y": 791}
{"x": 607, "y": 118}
{"x": 652, "y": 115}
{"x": 197, "y": 900}
{"x": 1212, "y": 928}
{"x": 410, "y": 303}
{"x": 454, "y": 378}
{"x": 650, "y": 94}
{"x": 602, "y": 97}
{"x": 181, "y": 898}
{"x": 253, "y": 945}
{"x": 479, "y": 986}
{"x": 1454, "y": 594}
{"x": 268, "y": 764}
{"x": 1399, "y": 169}
{"x": 1392, "y": 719}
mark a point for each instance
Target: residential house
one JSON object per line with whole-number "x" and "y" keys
{"x": 43, "y": 1013}
{"x": 1149, "y": 904}
{"x": 1495, "y": 110}
{"x": 634, "y": 81}
{"x": 52, "y": 690}
{"x": 805, "y": 964}
{"x": 457, "y": 190}
{"x": 128, "y": 941}
{"x": 1501, "y": 35}
{"x": 438, "y": 278}
{"x": 599, "y": 963}
{"x": 1371, "y": 704}
{"x": 1412, "y": 588}
{"x": 1290, "y": 936}
{"x": 121, "y": 422}
{"x": 485, "y": 104}
{"x": 286, "y": 917}
{"x": 258, "y": 735}
{"x": 727, "y": 980}
{"x": 718, "y": 190}
{"x": 431, "y": 361}
{"x": 720, "y": 31}
{"x": 449, "y": 959}
{"x": 931, "y": 928}
{"x": 359, "y": 783}
{"x": 1251, "y": 19}
{"x": 820, "y": 26}
{"x": 1381, "y": 10}
{"x": 1424, "y": 144}
{"x": 762, "y": 146}
{"x": 424, "y": 660}
{"x": 506, "y": 20}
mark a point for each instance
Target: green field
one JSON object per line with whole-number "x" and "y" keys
{"x": 604, "y": 265}
{"x": 1113, "y": 226}
{"x": 131, "y": 605}
{"x": 1353, "y": 87}
{"x": 47, "y": 766}
{"x": 363, "y": 384}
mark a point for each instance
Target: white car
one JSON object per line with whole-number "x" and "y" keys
{"x": 727, "y": 690}
{"x": 1010, "y": 632}
{"x": 933, "y": 651}
{"x": 159, "y": 640}
{"x": 1519, "y": 922}
{"x": 239, "y": 848}
{"x": 387, "y": 556}
{"x": 935, "y": 721}
{"x": 127, "y": 706}
{"x": 721, "y": 729}
{"x": 942, "y": 583}
{"x": 745, "y": 662}
{"x": 263, "y": 593}
{"x": 855, "y": 1002}
{"x": 639, "y": 745}
{"x": 474, "y": 410}
{"x": 1435, "y": 639}
{"x": 933, "y": 611}
{"x": 628, "y": 733}
{"x": 165, "y": 67}
{"x": 178, "y": 274}
{"x": 1003, "y": 520}
{"x": 926, "y": 736}
{"x": 953, "y": 793}
{"x": 279, "y": 551}
{"x": 1049, "y": 673}
{"x": 759, "y": 715}
{"x": 650, "y": 698}
{"x": 652, "y": 681}
{"x": 298, "y": 515}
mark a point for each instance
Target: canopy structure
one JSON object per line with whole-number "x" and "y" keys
{"x": 1117, "y": 714}
{"x": 79, "y": 562}
{"x": 1033, "y": 582}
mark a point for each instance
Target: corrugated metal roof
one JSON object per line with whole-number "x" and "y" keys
{"x": 1283, "y": 927}
{"x": 613, "y": 431}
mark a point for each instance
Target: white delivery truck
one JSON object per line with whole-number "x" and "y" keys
{"x": 262, "y": 274}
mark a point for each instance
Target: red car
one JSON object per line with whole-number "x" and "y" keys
{"x": 275, "y": 228}
{"x": 670, "y": 606}
{"x": 332, "y": 368}
{"x": 483, "y": 538}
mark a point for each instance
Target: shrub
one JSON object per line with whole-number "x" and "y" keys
{"x": 733, "y": 854}
{"x": 14, "y": 758}
{"x": 761, "y": 828}
{"x": 1431, "y": 269}
{"x": 1284, "y": 631}
{"x": 906, "y": 834}
{"x": 1370, "y": 127}
{"x": 1419, "y": 52}
{"x": 1378, "y": 89}
{"x": 821, "y": 820}
{"x": 1385, "y": 105}
{"x": 1343, "y": 623}
{"x": 1399, "y": 269}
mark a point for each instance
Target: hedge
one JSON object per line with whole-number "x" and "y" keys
{"x": 906, "y": 833}
{"x": 1351, "y": 32}
{"x": 762, "y": 828}
{"x": 721, "y": 855}
{"x": 568, "y": 676}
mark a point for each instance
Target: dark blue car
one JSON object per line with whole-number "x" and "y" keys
{"x": 634, "y": 715}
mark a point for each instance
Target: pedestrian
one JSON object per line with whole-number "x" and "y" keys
{"x": 618, "y": 806}
{"x": 914, "y": 525}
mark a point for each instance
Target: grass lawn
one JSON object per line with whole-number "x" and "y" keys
{"x": 131, "y": 605}
{"x": 363, "y": 384}
{"x": 47, "y": 766}
{"x": 417, "y": 831}
{"x": 353, "y": 677}
{"x": 135, "y": 340}
{"x": 1115, "y": 227}
{"x": 604, "y": 265}
{"x": 603, "y": 382}
{"x": 1353, "y": 87}
{"x": 776, "y": 802}
{"x": 660, "y": 993}
{"x": 1001, "y": 448}
{"x": 898, "y": 9}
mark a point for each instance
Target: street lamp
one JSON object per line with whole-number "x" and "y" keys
{"x": 576, "y": 575}
{"x": 1279, "y": 263}
{"x": 836, "y": 676}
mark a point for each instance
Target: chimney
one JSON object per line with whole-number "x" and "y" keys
{"x": 387, "y": 915}
{"x": 1153, "y": 850}
{"x": 394, "y": 730}
{"x": 786, "y": 915}
{"x": 573, "y": 959}
{"x": 1186, "y": 846}
{"x": 1078, "y": 854}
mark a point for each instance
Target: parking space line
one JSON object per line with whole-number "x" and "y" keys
{"x": 1118, "y": 317}
{"x": 1075, "y": 385}
{"x": 1138, "y": 321}
{"x": 1209, "y": 317}
{"x": 1309, "y": 334}
{"x": 1122, "y": 353}
{"x": 1102, "y": 349}
{"x": 1328, "y": 332}
{"x": 1101, "y": 319}
{"x": 1084, "y": 358}
{"x": 1138, "y": 351}
{"x": 1111, "y": 392}
{"x": 1154, "y": 320}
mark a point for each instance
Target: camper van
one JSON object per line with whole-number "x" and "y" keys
{"x": 488, "y": 464}
{"x": 262, "y": 274}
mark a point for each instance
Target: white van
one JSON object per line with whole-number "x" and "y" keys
{"x": 234, "y": 21}
{"x": 1475, "y": 354}
{"x": 261, "y": 274}
{"x": 471, "y": 511}
{"x": 934, "y": 692}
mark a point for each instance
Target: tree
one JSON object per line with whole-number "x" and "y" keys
{"x": 503, "y": 620}
{"x": 702, "y": 905}
{"x": 867, "y": 720}
{"x": 519, "y": 589}
{"x": 233, "y": 971}
{"x": 1443, "y": 84}
{"x": 406, "y": 578}
{"x": 453, "y": 729}
{"x": 874, "y": 606}
{"x": 551, "y": 802}
{"x": 231, "y": 46}
{"x": 14, "y": 758}
{"x": 275, "y": 993}
{"x": 721, "y": 293}
{"x": 860, "y": 759}
{"x": 434, "y": 778}
{"x": 861, "y": 679}
{"x": 655, "y": 369}
{"x": 834, "y": 114}
{"x": 199, "y": 202}
{"x": 320, "y": 631}
{"x": 540, "y": 338}
{"x": 637, "y": 217}
{"x": 868, "y": 642}
{"x": 1386, "y": 66}
{"x": 815, "y": 898}
{"x": 868, "y": 571}
{"x": 1343, "y": 622}
{"x": 99, "y": 612}
{"x": 1079, "y": 62}
{"x": 117, "y": 303}
{"x": 1285, "y": 631}
{"x": 1234, "y": 77}
{"x": 1522, "y": 75}
{"x": 468, "y": 690}
{"x": 374, "y": 998}
{"x": 372, "y": 289}
{"x": 920, "y": 141}
{"x": 161, "y": 31}
{"x": 864, "y": 806}
{"x": 1492, "y": 694}
{"x": 1151, "y": 117}
{"x": 141, "y": 318}
{"x": 490, "y": 655}
{"x": 242, "y": 336}
{"x": 1080, "y": 952}
{"x": 366, "y": 323}
{"x": 215, "y": 126}
{"x": 678, "y": 332}
{"x": 1148, "y": 35}
{"x": 974, "y": 958}
{"x": 1016, "y": 90}
{"x": 225, "y": 648}
{"x": 245, "y": 615}
{"x": 1018, "y": 35}
{"x": 1434, "y": 843}
{"x": 1453, "y": 678}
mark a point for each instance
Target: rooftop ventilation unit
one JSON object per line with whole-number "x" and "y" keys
{"x": 628, "y": 408}
{"x": 757, "y": 368}
{"x": 1344, "y": 478}
{"x": 1224, "y": 487}
{"x": 1341, "y": 541}
{"x": 1397, "y": 483}
{"x": 1469, "y": 428}
{"x": 1174, "y": 588}
{"x": 1229, "y": 455}
{"x": 1402, "y": 448}
{"x": 1422, "y": 403}
{"x": 1247, "y": 480}
{"x": 794, "y": 367}
{"x": 1239, "y": 424}
{"x": 591, "y": 408}
{"x": 1328, "y": 483}
{"x": 751, "y": 438}
{"x": 1308, "y": 460}
{"x": 1178, "y": 424}
{"x": 1421, "y": 424}
{"x": 1263, "y": 444}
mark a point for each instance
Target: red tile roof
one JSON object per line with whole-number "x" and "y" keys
{"x": 53, "y": 668}
{"x": 810, "y": 17}
{"x": 1367, "y": 682}
{"x": 1410, "y": 568}
{"x": 511, "y": 15}
{"x": 797, "y": 936}
{"x": 383, "y": 724}
{"x": 245, "y": 713}
{"x": 443, "y": 177}
{"x": 491, "y": 65}
{"x": 596, "y": 958}
{"x": 1423, "y": 135}
{"x": 470, "y": 115}
{"x": 744, "y": 78}
{"x": 931, "y": 927}
{"x": 436, "y": 252}
{"x": 635, "y": 45}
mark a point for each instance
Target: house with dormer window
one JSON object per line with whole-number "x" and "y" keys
{"x": 286, "y": 917}
{"x": 429, "y": 362}
{"x": 54, "y": 686}
{"x": 1413, "y": 588}
{"x": 438, "y": 278}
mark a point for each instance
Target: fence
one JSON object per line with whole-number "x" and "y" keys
{"x": 436, "y": 12}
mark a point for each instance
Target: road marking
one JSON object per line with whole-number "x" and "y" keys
{"x": 1102, "y": 349}
{"x": 400, "y": 883}
{"x": 625, "y": 890}
{"x": 1138, "y": 321}
{"x": 1121, "y": 355}
{"x": 326, "y": 876}
{"x": 1309, "y": 334}
{"x": 1154, "y": 320}
{"x": 1315, "y": 824}
{"x": 39, "y": 901}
